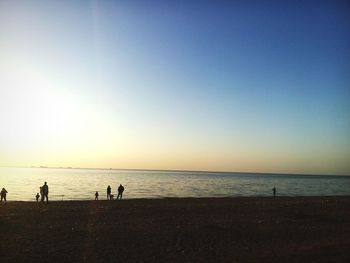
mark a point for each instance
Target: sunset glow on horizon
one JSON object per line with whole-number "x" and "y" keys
{"x": 176, "y": 85}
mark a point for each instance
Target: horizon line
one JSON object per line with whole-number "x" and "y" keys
{"x": 167, "y": 170}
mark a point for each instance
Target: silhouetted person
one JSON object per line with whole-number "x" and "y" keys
{"x": 274, "y": 191}
{"x": 120, "y": 192}
{"x": 96, "y": 195}
{"x": 37, "y": 196}
{"x": 3, "y": 194}
{"x": 41, "y": 194}
{"x": 45, "y": 189}
{"x": 109, "y": 193}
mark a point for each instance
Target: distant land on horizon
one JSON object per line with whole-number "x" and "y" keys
{"x": 174, "y": 170}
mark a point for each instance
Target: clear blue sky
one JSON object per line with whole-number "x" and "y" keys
{"x": 199, "y": 85}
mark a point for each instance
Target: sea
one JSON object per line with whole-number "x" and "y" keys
{"x": 23, "y": 184}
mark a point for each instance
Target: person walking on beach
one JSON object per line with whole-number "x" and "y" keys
{"x": 96, "y": 195}
{"x": 45, "y": 189}
{"x": 274, "y": 191}
{"x": 3, "y": 194}
{"x": 109, "y": 193}
{"x": 37, "y": 196}
{"x": 120, "y": 192}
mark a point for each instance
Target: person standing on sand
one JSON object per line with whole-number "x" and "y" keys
{"x": 274, "y": 191}
{"x": 120, "y": 192}
{"x": 96, "y": 195}
{"x": 37, "y": 196}
{"x": 109, "y": 193}
{"x": 3, "y": 194}
{"x": 45, "y": 189}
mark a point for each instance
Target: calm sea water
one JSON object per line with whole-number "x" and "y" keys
{"x": 81, "y": 184}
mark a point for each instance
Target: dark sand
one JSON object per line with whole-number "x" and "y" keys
{"x": 285, "y": 229}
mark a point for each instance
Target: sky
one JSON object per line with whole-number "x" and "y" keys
{"x": 187, "y": 85}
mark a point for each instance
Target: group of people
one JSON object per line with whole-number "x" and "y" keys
{"x": 44, "y": 193}
{"x": 109, "y": 193}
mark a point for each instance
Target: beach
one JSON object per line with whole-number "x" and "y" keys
{"x": 239, "y": 229}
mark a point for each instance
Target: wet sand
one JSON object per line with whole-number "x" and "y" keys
{"x": 252, "y": 229}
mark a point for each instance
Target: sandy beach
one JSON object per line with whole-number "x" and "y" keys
{"x": 242, "y": 229}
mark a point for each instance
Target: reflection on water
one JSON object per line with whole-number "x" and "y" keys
{"x": 72, "y": 184}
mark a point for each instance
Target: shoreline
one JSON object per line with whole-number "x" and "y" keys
{"x": 190, "y": 198}
{"x": 239, "y": 229}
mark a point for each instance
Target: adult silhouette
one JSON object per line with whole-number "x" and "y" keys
{"x": 45, "y": 189}
{"x": 3, "y": 194}
{"x": 120, "y": 192}
{"x": 274, "y": 191}
{"x": 109, "y": 190}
